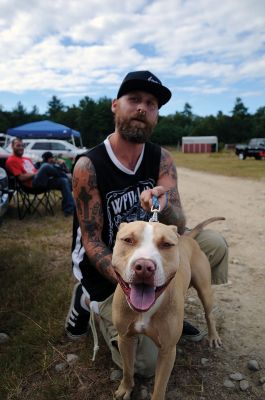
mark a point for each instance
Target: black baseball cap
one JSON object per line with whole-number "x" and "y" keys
{"x": 146, "y": 82}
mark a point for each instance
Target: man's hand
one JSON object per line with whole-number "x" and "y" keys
{"x": 146, "y": 197}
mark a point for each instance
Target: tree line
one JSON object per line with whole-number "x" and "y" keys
{"x": 94, "y": 120}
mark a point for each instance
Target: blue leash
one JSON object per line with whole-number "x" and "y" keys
{"x": 155, "y": 209}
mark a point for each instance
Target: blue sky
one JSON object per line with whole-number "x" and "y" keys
{"x": 208, "y": 52}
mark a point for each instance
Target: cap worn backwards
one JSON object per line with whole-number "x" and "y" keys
{"x": 146, "y": 82}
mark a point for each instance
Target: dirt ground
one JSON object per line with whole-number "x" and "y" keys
{"x": 240, "y": 304}
{"x": 242, "y": 203}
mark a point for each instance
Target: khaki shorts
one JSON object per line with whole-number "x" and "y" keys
{"x": 216, "y": 249}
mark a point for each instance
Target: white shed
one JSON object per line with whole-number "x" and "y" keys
{"x": 199, "y": 144}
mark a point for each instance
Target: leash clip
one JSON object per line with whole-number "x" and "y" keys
{"x": 155, "y": 209}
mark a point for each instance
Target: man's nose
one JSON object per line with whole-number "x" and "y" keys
{"x": 141, "y": 108}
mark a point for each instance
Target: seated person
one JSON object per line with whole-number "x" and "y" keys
{"x": 47, "y": 177}
{"x": 58, "y": 163}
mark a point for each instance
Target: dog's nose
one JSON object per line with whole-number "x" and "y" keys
{"x": 144, "y": 268}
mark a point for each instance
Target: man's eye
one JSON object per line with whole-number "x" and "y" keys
{"x": 134, "y": 99}
{"x": 152, "y": 105}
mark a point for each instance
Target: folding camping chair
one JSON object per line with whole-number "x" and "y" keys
{"x": 31, "y": 201}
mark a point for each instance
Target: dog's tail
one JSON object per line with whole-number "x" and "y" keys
{"x": 198, "y": 228}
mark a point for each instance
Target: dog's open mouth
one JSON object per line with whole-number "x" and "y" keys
{"x": 141, "y": 296}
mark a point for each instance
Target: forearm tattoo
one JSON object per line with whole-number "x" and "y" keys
{"x": 173, "y": 213}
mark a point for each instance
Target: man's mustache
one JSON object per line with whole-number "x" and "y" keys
{"x": 140, "y": 117}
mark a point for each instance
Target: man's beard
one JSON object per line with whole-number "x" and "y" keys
{"x": 134, "y": 134}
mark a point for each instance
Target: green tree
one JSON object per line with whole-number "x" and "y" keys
{"x": 71, "y": 117}
{"x": 87, "y": 121}
{"x": 259, "y": 123}
{"x": 34, "y": 114}
{"x": 104, "y": 118}
{"x": 19, "y": 115}
{"x": 55, "y": 110}
{"x": 239, "y": 110}
{"x": 4, "y": 120}
{"x": 187, "y": 111}
{"x": 205, "y": 126}
{"x": 167, "y": 131}
{"x": 241, "y": 123}
{"x": 224, "y": 130}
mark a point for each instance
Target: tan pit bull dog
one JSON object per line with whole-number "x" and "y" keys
{"x": 155, "y": 267}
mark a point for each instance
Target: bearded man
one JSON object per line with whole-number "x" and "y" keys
{"x": 114, "y": 183}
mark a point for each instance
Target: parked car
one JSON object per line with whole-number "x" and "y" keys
{"x": 34, "y": 148}
{"x": 3, "y": 157}
{"x": 4, "y": 192}
{"x": 255, "y": 148}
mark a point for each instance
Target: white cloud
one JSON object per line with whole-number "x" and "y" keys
{"x": 201, "y": 89}
{"x": 88, "y": 46}
{"x": 255, "y": 68}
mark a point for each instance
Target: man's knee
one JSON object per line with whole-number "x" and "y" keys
{"x": 216, "y": 249}
{"x": 48, "y": 169}
{"x": 62, "y": 183}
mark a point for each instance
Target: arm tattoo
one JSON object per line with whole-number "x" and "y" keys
{"x": 167, "y": 166}
{"x": 90, "y": 215}
{"x": 173, "y": 214}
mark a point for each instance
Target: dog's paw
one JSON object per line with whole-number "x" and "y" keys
{"x": 123, "y": 393}
{"x": 215, "y": 342}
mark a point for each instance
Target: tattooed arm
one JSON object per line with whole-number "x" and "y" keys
{"x": 167, "y": 193}
{"x": 173, "y": 213}
{"x": 90, "y": 216}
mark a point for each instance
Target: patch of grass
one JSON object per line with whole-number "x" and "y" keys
{"x": 36, "y": 287}
{"x": 32, "y": 298}
{"x": 223, "y": 163}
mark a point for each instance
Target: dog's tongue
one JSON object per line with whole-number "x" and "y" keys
{"x": 142, "y": 296}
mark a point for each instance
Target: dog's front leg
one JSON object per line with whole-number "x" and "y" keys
{"x": 127, "y": 347}
{"x": 165, "y": 363}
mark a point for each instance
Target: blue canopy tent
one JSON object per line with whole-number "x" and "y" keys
{"x": 45, "y": 130}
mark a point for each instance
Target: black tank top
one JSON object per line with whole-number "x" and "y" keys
{"x": 120, "y": 194}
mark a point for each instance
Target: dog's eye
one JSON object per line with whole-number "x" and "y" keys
{"x": 128, "y": 240}
{"x": 166, "y": 245}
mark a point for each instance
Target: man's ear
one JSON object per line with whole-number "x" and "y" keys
{"x": 114, "y": 105}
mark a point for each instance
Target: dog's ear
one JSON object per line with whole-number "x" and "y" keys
{"x": 175, "y": 230}
{"x": 122, "y": 225}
